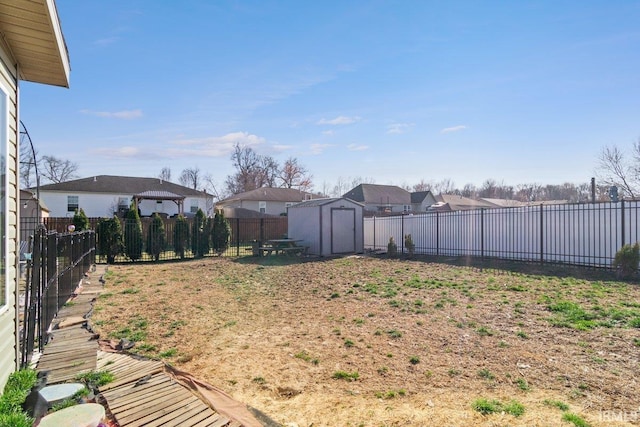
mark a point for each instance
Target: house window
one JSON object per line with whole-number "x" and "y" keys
{"x": 194, "y": 206}
{"x": 407, "y": 208}
{"x": 4, "y": 224}
{"x": 72, "y": 203}
{"x": 262, "y": 206}
{"x": 123, "y": 203}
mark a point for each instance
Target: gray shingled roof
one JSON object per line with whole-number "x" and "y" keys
{"x": 419, "y": 196}
{"x": 268, "y": 194}
{"x": 380, "y": 194}
{"x": 121, "y": 185}
{"x": 321, "y": 202}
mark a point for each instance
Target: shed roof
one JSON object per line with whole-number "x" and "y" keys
{"x": 122, "y": 185}
{"x": 382, "y": 194}
{"x": 32, "y": 31}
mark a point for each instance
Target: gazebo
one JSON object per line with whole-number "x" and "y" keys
{"x": 160, "y": 195}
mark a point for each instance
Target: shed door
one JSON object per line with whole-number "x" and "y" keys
{"x": 343, "y": 230}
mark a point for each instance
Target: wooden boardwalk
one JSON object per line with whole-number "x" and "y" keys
{"x": 144, "y": 395}
{"x": 143, "y": 392}
{"x": 72, "y": 350}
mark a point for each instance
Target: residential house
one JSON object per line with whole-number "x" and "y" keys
{"x": 454, "y": 202}
{"x": 421, "y": 201}
{"x": 266, "y": 200}
{"x": 381, "y": 199}
{"x": 104, "y": 195}
{"x": 32, "y": 48}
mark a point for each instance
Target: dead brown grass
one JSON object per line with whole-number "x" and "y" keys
{"x": 425, "y": 339}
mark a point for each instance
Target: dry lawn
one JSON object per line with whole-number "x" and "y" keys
{"x": 362, "y": 341}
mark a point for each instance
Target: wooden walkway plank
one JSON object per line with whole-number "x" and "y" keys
{"x": 193, "y": 413}
{"x": 177, "y": 417}
{"x": 125, "y": 389}
{"x": 141, "y": 415}
{"x": 140, "y": 398}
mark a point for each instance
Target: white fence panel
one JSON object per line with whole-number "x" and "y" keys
{"x": 580, "y": 234}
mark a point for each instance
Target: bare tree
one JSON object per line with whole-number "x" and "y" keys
{"x": 191, "y": 178}
{"x": 344, "y": 184}
{"x": 57, "y": 170}
{"x": 469, "y": 190}
{"x": 252, "y": 170}
{"x": 615, "y": 168}
{"x": 294, "y": 175}
{"x": 444, "y": 186}
{"x": 267, "y": 172}
{"x": 165, "y": 174}
{"x": 422, "y": 186}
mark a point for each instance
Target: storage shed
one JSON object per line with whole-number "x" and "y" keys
{"x": 328, "y": 226}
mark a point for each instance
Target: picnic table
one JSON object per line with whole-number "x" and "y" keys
{"x": 282, "y": 246}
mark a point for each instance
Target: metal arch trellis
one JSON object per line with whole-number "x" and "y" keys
{"x": 24, "y": 136}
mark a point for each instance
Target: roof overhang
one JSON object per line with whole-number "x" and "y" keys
{"x": 32, "y": 31}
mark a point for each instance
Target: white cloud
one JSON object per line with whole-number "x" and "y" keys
{"x": 398, "y": 128}
{"x": 340, "y": 120}
{"x": 127, "y": 152}
{"x": 215, "y": 146}
{"x": 356, "y": 147}
{"x": 319, "y": 148}
{"x": 453, "y": 129}
{"x": 328, "y": 132}
{"x": 281, "y": 147}
{"x": 106, "y": 41}
{"x": 124, "y": 114}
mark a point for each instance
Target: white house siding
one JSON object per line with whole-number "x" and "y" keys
{"x": 8, "y": 325}
{"x": 102, "y": 205}
{"x": 271, "y": 207}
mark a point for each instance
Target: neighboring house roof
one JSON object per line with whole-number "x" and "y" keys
{"x": 504, "y": 203}
{"x": 379, "y": 194}
{"x": 419, "y": 196}
{"x": 269, "y": 194}
{"x": 322, "y": 202}
{"x": 122, "y": 185}
{"x": 452, "y": 202}
{"x": 32, "y": 31}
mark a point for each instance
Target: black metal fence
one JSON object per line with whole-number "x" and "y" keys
{"x": 244, "y": 233}
{"x": 587, "y": 234}
{"x": 55, "y": 265}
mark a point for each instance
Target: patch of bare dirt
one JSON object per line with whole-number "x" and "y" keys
{"x": 362, "y": 341}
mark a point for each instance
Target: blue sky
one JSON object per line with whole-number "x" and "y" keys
{"x": 394, "y": 91}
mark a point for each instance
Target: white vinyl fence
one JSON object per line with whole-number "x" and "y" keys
{"x": 587, "y": 234}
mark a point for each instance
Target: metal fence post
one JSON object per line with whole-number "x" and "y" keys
{"x": 482, "y": 233}
{"x": 437, "y": 233}
{"x": 541, "y": 233}
{"x": 374, "y": 233}
{"x": 622, "y": 222}
{"x": 238, "y": 237}
{"x": 402, "y": 234}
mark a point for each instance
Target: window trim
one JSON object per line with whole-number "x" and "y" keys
{"x": 77, "y": 203}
